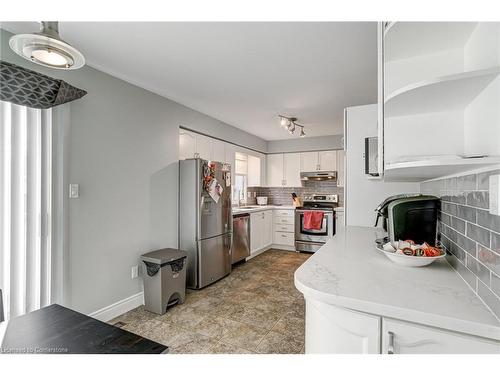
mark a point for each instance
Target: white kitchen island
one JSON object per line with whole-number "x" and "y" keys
{"x": 358, "y": 301}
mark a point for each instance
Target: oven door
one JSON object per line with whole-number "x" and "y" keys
{"x": 315, "y": 235}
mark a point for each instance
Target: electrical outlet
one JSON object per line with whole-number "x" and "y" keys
{"x": 74, "y": 190}
{"x": 135, "y": 272}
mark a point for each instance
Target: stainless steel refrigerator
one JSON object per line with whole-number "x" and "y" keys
{"x": 205, "y": 220}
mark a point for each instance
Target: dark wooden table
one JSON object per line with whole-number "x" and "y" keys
{"x": 57, "y": 329}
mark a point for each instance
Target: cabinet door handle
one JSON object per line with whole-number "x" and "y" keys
{"x": 390, "y": 345}
{"x": 283, "y": 235}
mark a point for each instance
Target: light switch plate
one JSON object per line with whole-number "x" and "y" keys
{"x": 135, "y": 272}
{"x": 74, "y": 190}
{"x": 495, "y": 194}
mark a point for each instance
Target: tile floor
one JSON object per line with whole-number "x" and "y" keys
{"x": 256, "y": 309}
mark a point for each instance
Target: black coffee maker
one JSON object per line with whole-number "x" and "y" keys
{"x": 409, "y": 217}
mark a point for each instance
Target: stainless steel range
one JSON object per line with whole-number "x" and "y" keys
{"x": 311, "y": 240}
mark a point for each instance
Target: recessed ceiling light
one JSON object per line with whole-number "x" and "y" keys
{"x": 47, "y": 48}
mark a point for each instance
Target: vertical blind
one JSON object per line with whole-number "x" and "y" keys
{"x": 25, "y": 207}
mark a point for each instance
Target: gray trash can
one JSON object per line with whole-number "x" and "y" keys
{"x": 164, "y": 279}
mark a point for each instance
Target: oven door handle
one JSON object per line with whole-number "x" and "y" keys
{"x": 329, "y": 213}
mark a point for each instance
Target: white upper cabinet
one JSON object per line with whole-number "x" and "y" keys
{"x": 340, "y": 168}
{"x": 275, "y": 170}
{"x": 229, "y": 152}
{"x": 218, "y": 151}
{"x": 318, "y": 161}
{"x": 292, "y": 170}
{"x": 187, "y": 144}
{"x": 327, "y": 160}
{"x": 439, "y": 89}
{"x": 204, "y": 147}
{"x": 194, "y": 145}
{"x": 254, "y": 170}
{"x": 283, "y": 170}
{"x": 309, "y": 161}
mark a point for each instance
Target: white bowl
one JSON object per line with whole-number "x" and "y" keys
{"x": 261, "y": 201}
{"x": 408, "y": 260}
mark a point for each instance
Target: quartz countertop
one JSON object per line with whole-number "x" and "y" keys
{"x": 349, "y": 272}
{"x": 237, "y": 210}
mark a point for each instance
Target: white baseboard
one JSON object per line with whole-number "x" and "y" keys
{"x": 112, "y": 311}
{"x": 283, "y": 247}
{"x": 273, "y": 246}
{"x": 258, "y": 252}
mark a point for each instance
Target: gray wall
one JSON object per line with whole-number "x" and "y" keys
{"x": 363, "y": 195}
{"x": 330, "y": 142}
{"x": 469, "y": 233}
{"x": 123, "y": 153}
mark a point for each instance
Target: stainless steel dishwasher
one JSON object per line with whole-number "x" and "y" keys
{"x": 241, "y": 237}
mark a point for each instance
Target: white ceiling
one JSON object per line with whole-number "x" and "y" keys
{"x": 244, "y": 74}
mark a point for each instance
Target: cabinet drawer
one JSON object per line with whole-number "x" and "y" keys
{"x": 284, "y": 238}
{"x": 284, "y": 228}
{"x": 284, "y": 220}
{"x": 284, "y": 213}
{"x": 409, "y": 338}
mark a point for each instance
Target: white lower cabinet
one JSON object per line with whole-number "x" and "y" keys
{"x": 284, "y": 238}
{"x": 284, "y": 229}
{"x": 334, "y": 330}
{"x": 271, "y": 228}
{"x": 261, "y": 235}
{"x": 399, "y": 337}
{"x": 337, "y": 330}
{"x": 268, "y": 228}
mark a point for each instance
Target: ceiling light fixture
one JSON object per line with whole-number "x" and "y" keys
{"x": 284, "y": 122}
{"x": 290, "y": 124}
{"x": 47, "y": 48}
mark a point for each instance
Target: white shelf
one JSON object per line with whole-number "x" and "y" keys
{"x": 407, "y": 39}
{"x": 427, "y": 169}
{"x": 449, "y": 92}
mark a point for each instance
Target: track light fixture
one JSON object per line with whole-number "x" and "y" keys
{"x": 290, "y": 124}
